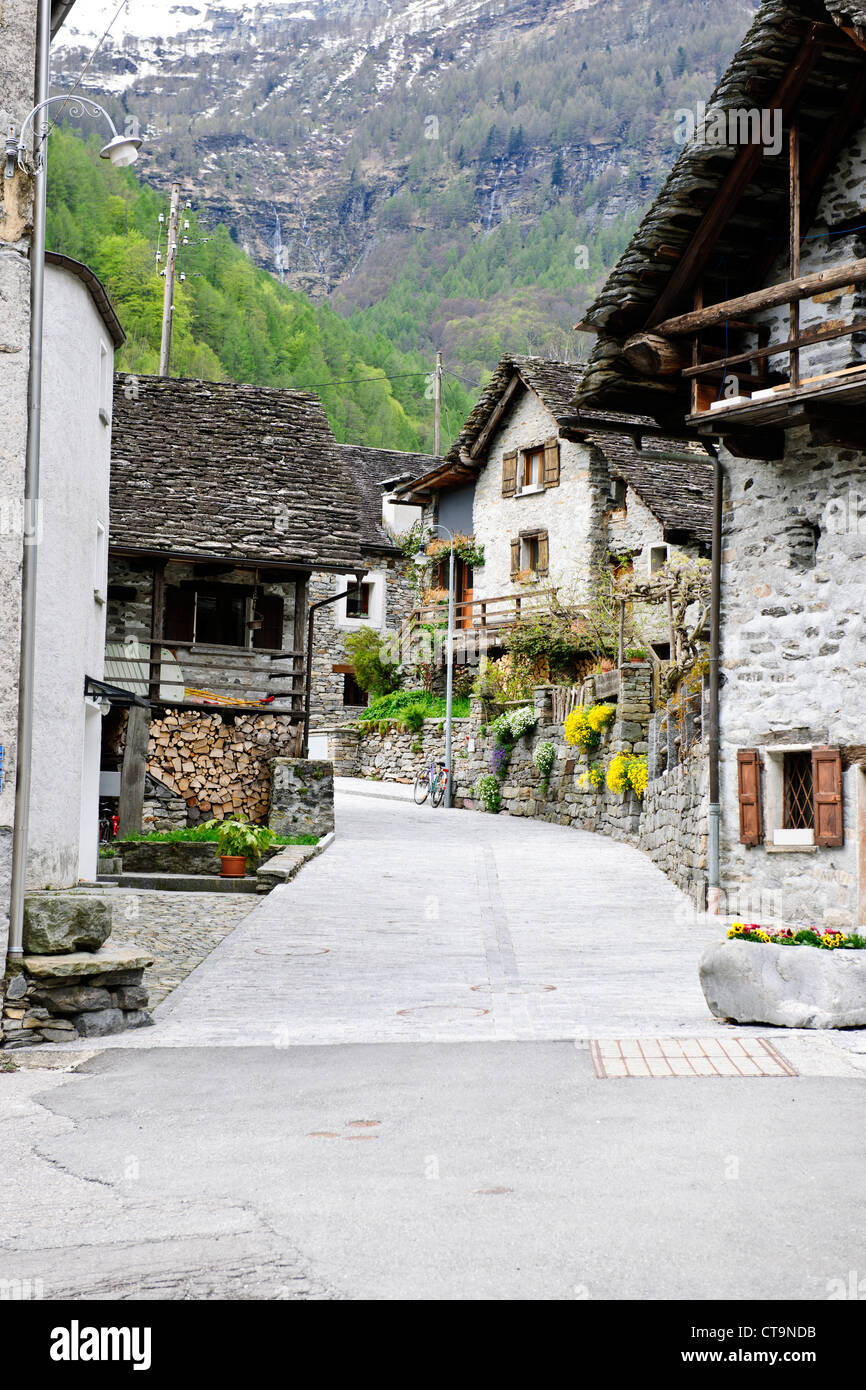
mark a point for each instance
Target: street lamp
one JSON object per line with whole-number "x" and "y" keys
{"x": 423, "y": 559}
{"x": 121, "y": 150}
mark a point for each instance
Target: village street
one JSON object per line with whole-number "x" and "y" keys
{"x": 426, "y": 991}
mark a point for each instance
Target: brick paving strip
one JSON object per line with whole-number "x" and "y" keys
{"x": 665, "y": 1057}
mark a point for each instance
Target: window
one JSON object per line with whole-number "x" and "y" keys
{"x": 530, "y": 553}
{"x": 106, "y": 361}
{"x": 223, "y": 615}
{"x": 358, "y": 602}
{"x": 100, "y": 569}
{"x": 352, "y": 692}
{"x": 658, "y": 558}
{"x": 802, "y": 793}
{"x": 798, "y": 810}
{"x": 533, "y": 467}
{"x": 617, "y": 492}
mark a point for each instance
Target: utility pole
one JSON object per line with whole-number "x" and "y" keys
{"x": 168, "y": 295}
{"x": 437, "y": 403}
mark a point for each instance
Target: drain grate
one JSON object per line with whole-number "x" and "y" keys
{"x": 663, "y": 1057}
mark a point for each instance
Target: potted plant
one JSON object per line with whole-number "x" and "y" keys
{"x": 808, "y": 978}
{"x": 238, "y": 841}
{"x": 639, "y": 654}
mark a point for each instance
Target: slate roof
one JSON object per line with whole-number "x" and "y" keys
{"x": 371, "y": 467}
{"x": 678, "y": 491}
{"x": 218, "y": 470}
{"x": 627, "y": 300}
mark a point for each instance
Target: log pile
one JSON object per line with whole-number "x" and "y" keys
{"x": 219, "y": 768}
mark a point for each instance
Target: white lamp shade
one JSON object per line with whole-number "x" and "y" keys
{"x": 121, "y": 150}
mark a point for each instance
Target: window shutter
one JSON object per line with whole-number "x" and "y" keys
{"x": 551, "y": 463}
{"x": 515, "y": 557}
{"x": 827, "y": 795}
{"x": 178, "y": 624}
{"x": 749, "y": 791}
{"x": 543, "y": 553}
{"x": 270, "y": 634}
{"x": 509, "y": 474}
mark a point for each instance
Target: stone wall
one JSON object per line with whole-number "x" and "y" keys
{"x": 670, "y": 824}
{"x": 793, "y": 664}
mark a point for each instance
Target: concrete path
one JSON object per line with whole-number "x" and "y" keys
{"x": 422, "y": 924}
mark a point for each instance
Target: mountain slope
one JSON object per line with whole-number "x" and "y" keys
{"x": 433, "y": 167}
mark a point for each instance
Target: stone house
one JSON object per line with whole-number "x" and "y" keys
{"x": 554, "y": 495}
{"x": 226, "y": 500}
{"x": 737, "y": 313}
{"x": 386, "y": 599}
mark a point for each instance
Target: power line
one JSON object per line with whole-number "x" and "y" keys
{"x": 354, "y": 381}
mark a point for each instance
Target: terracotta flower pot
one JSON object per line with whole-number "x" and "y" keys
{"x": 233, "y": 865}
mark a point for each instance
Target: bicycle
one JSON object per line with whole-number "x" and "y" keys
{"x": 431, "y": 783}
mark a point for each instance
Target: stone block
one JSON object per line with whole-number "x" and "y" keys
{"x": 74, "y": 999}
{"x": 302, "y": 797}
{"x": 107, "y": 962}
{"x": 16, "y": 988}
{"x": 130, "y": 997}
{"x": 101, "y": 1023}
{"x": 137, "y": 1018}
{"x": 62, "y": 923}
{"x": 788, "y": 986}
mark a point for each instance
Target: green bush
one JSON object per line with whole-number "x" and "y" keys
{"x": 239, "y": 837}
{"x": 373, "y": 672}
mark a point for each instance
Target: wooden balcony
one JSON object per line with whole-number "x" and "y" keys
{"x": 476, "y": 621}
{"x": 192, "y": 676}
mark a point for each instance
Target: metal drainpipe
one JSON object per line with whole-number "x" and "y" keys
{"x": 714, "y": 810}
{"x": 308, "y": 675}
{"x": 23, "y": 757}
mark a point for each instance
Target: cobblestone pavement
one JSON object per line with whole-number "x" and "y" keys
{"x": 178, "y": 929}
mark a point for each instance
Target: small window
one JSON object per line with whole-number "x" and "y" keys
{"x": 100, "y": 568}
{"x": 658, "y": 558}
{"x": 105, "y": 364}
{"x": 534, "y": 552}
{"x": 220, "y": 617}
{"x": 352, "y": 692}
{"x": 798, "y": 802}
{"x": 617, "y": 492}
{"x": 530, "y": 552}
{"x": 533, "y": 467}
{"x": 358, "y": 602}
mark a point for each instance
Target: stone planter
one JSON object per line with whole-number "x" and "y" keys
{"x": 788, "y": 986}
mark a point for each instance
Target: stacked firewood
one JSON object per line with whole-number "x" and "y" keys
{"x": 219, "y": 766}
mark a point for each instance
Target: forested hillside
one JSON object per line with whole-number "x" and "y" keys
{"x": 232, "y": 320}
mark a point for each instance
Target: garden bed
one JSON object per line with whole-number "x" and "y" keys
{"x": 805, "y": 979}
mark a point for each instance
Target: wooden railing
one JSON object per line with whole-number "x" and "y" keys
{"x": 191, "y": 675}
{"x": 477, "y": 616}
{"x": 565, "y": 698}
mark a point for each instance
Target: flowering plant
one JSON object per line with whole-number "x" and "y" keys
{"x": 830, "y": 939}
{"x": 488, "y": 793}
{"x": 544, "y": 758}
{"x": 592, "y": 779}
{"x": 627, "y": 770}
{"x": 583, "y": 727}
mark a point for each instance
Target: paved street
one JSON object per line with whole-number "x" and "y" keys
{"x": 381, "y": 1085}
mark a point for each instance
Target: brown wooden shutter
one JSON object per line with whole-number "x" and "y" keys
{"x": 270, "y": 634}
{"x": 509, "y": 474}
{"x": 749, "y": 791}
{"x": 179, "y": 619}
{"x": 551, "y": 463}
{"x": 543, "y": 553}
{"x": 827, "y": 796}
{"x": 515, "y": 557}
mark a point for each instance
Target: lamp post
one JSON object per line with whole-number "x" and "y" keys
{"x": 449, "y": 655}
{"x": 121, "y": 150}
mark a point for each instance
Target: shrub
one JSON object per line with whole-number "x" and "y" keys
{"x": 592, "y": 780}
{"x": 626, "y": 770}
{"x": 583, "y": 727}
{"x": 544, "y": 757}
{"x": 414, "y": 718}
{"x": 488, "y": 793}
{"x": 373, "y": 672}
{"x": 238, "y": 837}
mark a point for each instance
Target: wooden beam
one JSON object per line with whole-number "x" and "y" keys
{"x": 805, "y": 339}
{"x": 727, "y": 198}
{"x": 852, "y": 273}
{"x": 652, "y": 355}
{"x": 794, "y": 249}
{"x": 157, "y": 622}
{"x": 133, "y": 771}
{"x": 496, "y": 415}
{"x": 299, "y": 636}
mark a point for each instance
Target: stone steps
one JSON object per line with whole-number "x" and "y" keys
{"x": 186, "y": 883}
